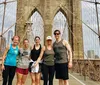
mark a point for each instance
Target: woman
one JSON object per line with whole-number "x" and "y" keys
{"x": 35, "y": 52}
{"x": 9, "y": 61}
{"x": 23, "y": 63}
{"x": 63, "y": 58}
{"x": 48, "y": 61}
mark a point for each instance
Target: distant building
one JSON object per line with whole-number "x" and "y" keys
{"x": 96, "y": 56}
{"x": 91, "y": 54}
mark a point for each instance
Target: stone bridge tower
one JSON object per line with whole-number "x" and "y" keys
{"x": 48, "y": 9}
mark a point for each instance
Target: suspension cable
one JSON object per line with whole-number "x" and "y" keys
{"x": 81, "y": 20}
{"x": 5, "y": 2}
{"x": 13, "y": 24}
{"x": 91, "y": 1}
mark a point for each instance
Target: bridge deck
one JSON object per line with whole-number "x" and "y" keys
{"x": 75, "y": 79}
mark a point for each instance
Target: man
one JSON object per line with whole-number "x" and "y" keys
{"x": 63, "y": 58}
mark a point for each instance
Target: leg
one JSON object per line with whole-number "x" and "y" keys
{"x": 5, "y": 74}
{"x": 61, "y": 82}
{"x": 23, "y": 79}
{"x": 33, "y": 78}
{"x": 19, "y": 78}
{"x": 63, "y": 71}
{"x": 45, "y": 74}
{"x": 51, "y": 74}
{"x": 41, "y": 71}
{"x": 66, "y": 82}
{"x": 37, "y": 78}
{"x": 11, "y": 74}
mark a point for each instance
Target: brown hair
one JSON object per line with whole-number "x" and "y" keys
{"x": 15, "y": 37}
{"x": 36, "y": 37}
{"x": 25, "y": 39}
{"x": 57, "y": 31}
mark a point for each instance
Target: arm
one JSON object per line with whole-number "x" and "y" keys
{"x": 32, "y": 47}
{"x": 69, "y": 52}
{"x": 4, "y": 56}
{"x": 41, "y": 55}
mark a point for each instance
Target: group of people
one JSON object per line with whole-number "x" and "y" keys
{"x": 53, "y": 58}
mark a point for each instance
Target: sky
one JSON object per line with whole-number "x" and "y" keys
{"x": 90, "y": 39}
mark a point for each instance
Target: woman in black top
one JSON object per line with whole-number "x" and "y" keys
{"x": 35, "y": 71}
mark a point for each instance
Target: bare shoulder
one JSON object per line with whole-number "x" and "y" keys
{"x": 65, "y": 42}
{"x": 32, "y": 47}
{"x": 8, "y": 46}
{"x": 43, "y": 48}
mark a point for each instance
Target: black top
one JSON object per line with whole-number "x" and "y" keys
{"x": 35, "y": 53}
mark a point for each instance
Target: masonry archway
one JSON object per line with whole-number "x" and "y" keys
{"x": 37, "y": 25}
{"x": 60, "y": 22}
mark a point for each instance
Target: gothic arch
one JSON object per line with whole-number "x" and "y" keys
{"x": 62, "y": 10}
{"x": 38, "y": 25}
{"x": 33, "y": 11}
{"x": 60, "y": 22}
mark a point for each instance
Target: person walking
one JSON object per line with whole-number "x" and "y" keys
{"x": 9, "y": 61}
{"x": 47, "y": 54}
{"x": 23, "y": 63}
{"x": 63, "y": 58}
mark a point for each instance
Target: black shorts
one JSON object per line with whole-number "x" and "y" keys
{"x": 40, "y": 65}
{"x": 62, "y": 71}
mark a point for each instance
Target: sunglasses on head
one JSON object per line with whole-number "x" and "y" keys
{"x": 56, "y": 33}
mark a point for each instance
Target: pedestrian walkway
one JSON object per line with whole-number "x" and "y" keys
{"x": 75, "y": 79}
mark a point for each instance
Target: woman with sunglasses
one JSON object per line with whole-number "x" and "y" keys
{"x": 63, "y": 58}
{"x": 23, "y": 63}
{"x": 47, "y": 54}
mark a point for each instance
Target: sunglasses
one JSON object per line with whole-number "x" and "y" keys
{"x": 56, "y": 33}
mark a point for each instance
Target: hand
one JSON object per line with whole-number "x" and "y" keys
{"x": 2, "y": 67}
{"x": 70, "y": 65}
{"x": 35, "y": 64}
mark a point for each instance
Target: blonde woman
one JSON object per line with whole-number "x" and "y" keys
{"x": 47, "y": 54}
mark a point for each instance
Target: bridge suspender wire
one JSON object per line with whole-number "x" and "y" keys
{"x": 5, "y": 2}
{"x": 3, "y": 22}
{"x": 13, "y": 24}
{"x": 91, "y": 1}
{"x": 96, "y": 9}
{"x": 81, "y": 21}
{"x": 91, "y": 20}
{"x": 97, "y": 19}
{"x": 11, "y": 27}
{"x": 76, "y": 39}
